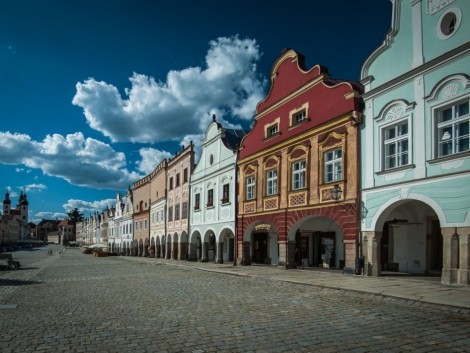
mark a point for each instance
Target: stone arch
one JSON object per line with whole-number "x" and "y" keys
{"x": 195, "y": 246}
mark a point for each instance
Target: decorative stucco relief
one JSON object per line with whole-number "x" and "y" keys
{"x": 404, "y": 193}
{"x": 449, "y": 91}
{"x": 395, "y": 112}
{"x": 436, "y": 5}
{"x": 452, "y": 164}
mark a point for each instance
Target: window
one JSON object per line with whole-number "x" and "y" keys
{"x": 333, "y": 166}
{"x": 185, "y": 175}
{"x": 177, "y": 212}
{"x": 299, "y": 117}
{"x": 226, "y": 193}
{"x": 453, "y": 129}
{"x": 273, "y": 130}
{"x": 145, "y": 224}
{"x": 210, "y": 197}
{"x": 140, "y": 225}
{"x": 250, "y": 188}
{"x": 298, "y": 175}
{"x": 171, "y": 183}
{"x": 395, "y": 145}
{"x": 170, "y": 214}
{"x": 177, "y": 179}
{"x": 136, "y": 226}
{"x": 184, "y": 212}
{"x": 271, "y": 182}
{"x": 448, "y": 23}
{"x": 197, "y": 200}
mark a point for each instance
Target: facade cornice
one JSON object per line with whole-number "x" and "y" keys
{"x": 328, "y": 126}
{"x": 430, "y": 65}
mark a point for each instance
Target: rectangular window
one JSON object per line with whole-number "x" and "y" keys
{"x": 452, "y": 128}
{"x": 271, "y": 182}
{"x": 140, "y": 225}
{"x": 395, "y": 145}
{"x": 177, "y": 212}
{"x": 250, "y": 188}
{"x": 333, "y": 165}
{"x": 210, "y": 197}
{"x": 136, "y": 226}
{"x": 298, "y": 175}
{"x": 197, "y": 200}
{"x": 298, "y": 117}
{"x": 185, "y": 175}
{"x": 226, "y": 193}
{"x": 273, "y": 130}
{"x": 171, "y": 183}
{"x": 145, "y": 224}
{"x": 184, "y": 212}
{"x": 177, "y": 179}
{"x": 170, "y": 214}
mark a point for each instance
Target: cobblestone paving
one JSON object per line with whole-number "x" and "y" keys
{"x": 79, "y": 303}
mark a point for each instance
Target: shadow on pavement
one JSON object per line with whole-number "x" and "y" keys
{"x": 16, "y": 282}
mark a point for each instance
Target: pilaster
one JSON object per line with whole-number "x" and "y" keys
{"x": 464, "y": 255}
{"x": 450, "y": 243}
{"x": 372, "y": 261}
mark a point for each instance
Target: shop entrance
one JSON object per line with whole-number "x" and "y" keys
{"x": 260, "y": 248}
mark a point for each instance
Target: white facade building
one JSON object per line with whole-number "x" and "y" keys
{"x": 213, "y": 196}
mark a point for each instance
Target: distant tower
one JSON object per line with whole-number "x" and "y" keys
{"x": 23, "y": 206}
{"x": 6, "y": 204}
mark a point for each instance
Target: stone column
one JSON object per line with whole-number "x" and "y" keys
{"x": 205, "y": 252}
{"x": 220, "y": 253}
{"x": 450, "y": 243}
{"x": 372, "y": 263}
{"x": 464, "y": 255}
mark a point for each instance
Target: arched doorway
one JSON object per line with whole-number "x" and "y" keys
{"x": 319, "y": 242}
{"x": 411, "y": 240}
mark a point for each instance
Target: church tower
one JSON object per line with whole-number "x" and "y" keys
{"x": 6, "y": 204}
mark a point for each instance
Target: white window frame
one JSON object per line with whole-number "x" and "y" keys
{"x": 250, "y": 187}
{"x": 401, "y": 157}
{"x": 271, "y": 182}
{"x": 335, "y": 163}
{"x": 299, "y": 175}
{"x": 273, "y": 130}
{"x": 454, "y": 134}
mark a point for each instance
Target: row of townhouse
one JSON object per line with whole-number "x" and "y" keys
{"x": 333, "y": 173}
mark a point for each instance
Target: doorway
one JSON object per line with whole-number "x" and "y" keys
{"x": 260, "y": 248}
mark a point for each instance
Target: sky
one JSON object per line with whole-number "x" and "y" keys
{"x": 94, "y": 94}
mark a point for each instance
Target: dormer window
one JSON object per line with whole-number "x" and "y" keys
{"x": 298, "y": 115}
{"x": 273, "y": 130}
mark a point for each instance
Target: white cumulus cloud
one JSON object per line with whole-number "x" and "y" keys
{"x": 87, "y": 207}
{"x": 154, "y": 111}
{"x": 80, "y": 161}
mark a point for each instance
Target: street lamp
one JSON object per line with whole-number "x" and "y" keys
{"x": 335, "y": 193}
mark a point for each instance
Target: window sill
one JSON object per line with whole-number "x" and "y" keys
{"x": 294, "y": 125}
{"x": 449, "y": 158}
{"x": 397, "y": 169}
{"x": 225, "y": 202}
{"x": 209, "y": 206}
{"x": 272, "y": 136}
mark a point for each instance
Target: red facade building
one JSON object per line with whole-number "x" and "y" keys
{"x": 298, "y": 171}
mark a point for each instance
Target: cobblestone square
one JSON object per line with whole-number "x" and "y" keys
{"x": 80, "y": 303}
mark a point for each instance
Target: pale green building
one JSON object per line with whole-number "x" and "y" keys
{"x": 415, "y": 170}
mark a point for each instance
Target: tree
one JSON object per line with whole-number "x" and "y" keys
{"x": 75, "y": 216}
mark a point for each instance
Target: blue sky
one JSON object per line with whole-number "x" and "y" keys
{"x": 94, "y": 94}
